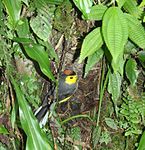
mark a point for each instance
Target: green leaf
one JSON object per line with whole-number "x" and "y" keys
{"x": 105, "y": 137}
{"x": 111, "y": 123}
{"x": 131, "y": 7}
{"x": 3, "y": 130}
{"x": 84, "y": 6}
{"x": 131, "y": 71}
{"x": 36, "y": 139}
{"x": 114, "y": 86}
{"x": 38, "y": 53}
{"x": 130, "y": 48}
{"x": 142, "y": 4}
{"x": 13, "y": 8}
{"x": 119, "y": 65}
{"x": 13, "y": 114}
{"x": 141, "y": 56}
{"x": 133, "y": 131}
{"x": 115, "y": 32}
{"x": 96, "y": 12}
{"x": 41, "y": 24}
{"x": 96, "y": 135}
{"x": 136, "y": 31}
{"x": 124, "y": 112}
{"x": 134, "y": 118}
{"x": 22, "y": 40}
{"x": 142, "y": 143}
{"x": 1, "y": 14}
{"x": 121, "y": 2}
{"x": 92, "y": 42}
{"x": 93, "y": 59}
{"x": 51, "y": 51}
{"x": 26, "y": 2}
{"x": 23, "y": 28}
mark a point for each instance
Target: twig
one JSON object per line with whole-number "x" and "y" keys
{"x": 59, "y": 42}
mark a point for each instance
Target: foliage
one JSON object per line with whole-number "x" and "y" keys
{"x": 141, "y": 144}
{"x": 133, "y": 112}
{"x": 116, "y": 40}
{"x": 121, "y": 25}
{"x": 91, "y": 43}
{"x": 36, "y": 139}
{"x": 19, "y": 41}
{"x": 105, "y": 137}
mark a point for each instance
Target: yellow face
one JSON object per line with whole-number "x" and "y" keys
{"x": 71, "y": 79}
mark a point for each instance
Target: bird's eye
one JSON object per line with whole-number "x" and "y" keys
{"x": 71, "y": 77}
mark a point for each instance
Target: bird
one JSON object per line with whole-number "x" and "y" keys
{"x": 67, "y": 85}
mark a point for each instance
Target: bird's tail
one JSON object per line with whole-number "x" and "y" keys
{"x": 42, "y": 112}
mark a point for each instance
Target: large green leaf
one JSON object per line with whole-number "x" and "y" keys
{"x": 41, "y": 24}
{"x": 114, "y": 88}
{"x": 92, "y": 42}
{"x": 24, "y": 32}
{"x": 115, "y": 32}
{"x": 13, "y": 8}
{"x": 84, "y": 6}
{"x": 142, "y": 142}
{"x": 36, "y": 139}
{"x": 38, "y": 53}
{"x": 96, "y": 12}
{"x": 136, "y": 31}
{"x": 131, "y": 7}
{"x": 121, "y": 2}
{"x": 93, "y": 59}
{"x": 114, "y": 85}
{"x": 131, "y": 71}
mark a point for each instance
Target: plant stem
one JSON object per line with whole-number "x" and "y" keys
{"x": 102, "y": 92}
{"x": 74, "y": 117}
